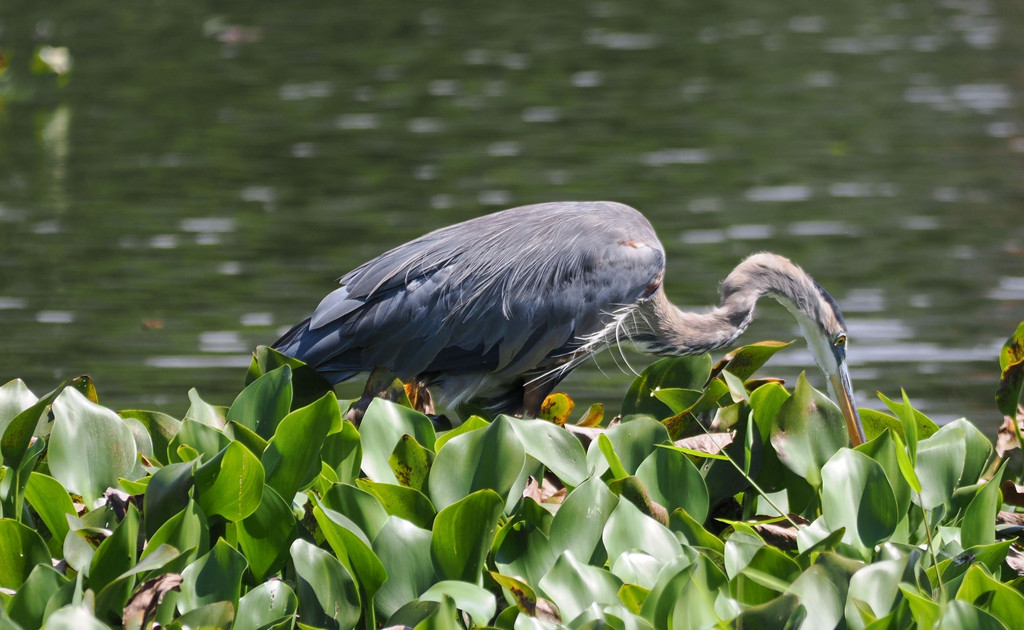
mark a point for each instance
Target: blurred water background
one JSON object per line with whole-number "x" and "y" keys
{"x": 197, "y": 177}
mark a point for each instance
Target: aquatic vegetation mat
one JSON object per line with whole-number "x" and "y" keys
{"x": 715, "y": 499}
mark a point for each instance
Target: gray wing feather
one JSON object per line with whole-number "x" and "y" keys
{"x": 510, "y": 288}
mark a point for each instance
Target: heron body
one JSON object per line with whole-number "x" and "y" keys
{"x": 500, "y": 308}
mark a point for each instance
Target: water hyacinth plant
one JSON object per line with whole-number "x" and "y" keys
{"x": 716, "y": 500}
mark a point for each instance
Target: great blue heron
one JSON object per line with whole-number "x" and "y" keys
{"x": 500, "y": 308}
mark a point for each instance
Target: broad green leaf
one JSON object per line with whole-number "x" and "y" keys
{"x": 556, "y": 448}
{"x": 674, "y": 482}
{"x": 404, "y": 550}
{"x": 685, "y": 594}
{"x": 266, "y": 604}
{"x": 856, "y": 495}
{"x": 185, "y": 530}
{"x": 473, "y": 599}
{"x": 203, "y": 412}
{"x": 21, "y": 549}
{"x": 822, "y": 590}
{"x": 678, "y": 400}
{"x": 26, "y": 607}
{"x": 487, "y": 459}
{"x": 691, "y": 533}
{"x": 17, "y": 431}
{"x": 265, "y": 536}
{"x": 230, "y": 484}
{"x": 959, "y": 615}
{"x": 90, "y": 446}
{"x": 215, "y": 577}
{"x": 579, "y": 524}
{"x": 407, "y": 503}
{"x": 362, "y": 507}
{"x": 247, "y": 437}
{"x": 780, "y": 612}
{"x": 809, "y": 430}
{"x": 472, "y": 423}
{"x": 264, "y": 402}
{"x": 292, "y": 458}
{"x": 676, "y": 372}
{"x": 886, "y": 451}
{"x": 521, "y": 546}
{"x": 979, "y": 450}
{"x": 1001, "y": 600}
{"x": 383, "y": 424}
{"x": 204, "y": 439}
{"x": 615, "y": 467}
{"x": 51, "y": 502}
{"x": 1011, "y": 377}
{"x": 910, "y": 418}
{"x": 769, "y": 573}
{"x": 161, "y": 428}
{"x": 343, "y": 451}
{"x": 76, "y": 617}
{"x": 352, "y": 548}
{"x": 15, "y": 397}
{"x": 876, "y": 422}
{"x": 632, "y": 442}
{"x": 979, "y": 524}
{"x": 212, "y": 616}
{"x": 927, "y": 612}
{"x": 765, "y": 402}
{"x": 874, "y": 588}
{"x": 637, "y": 568}
{"x": 940, "y": 463}
{"x": 411, "y": 462}
{"x": 307, "y": 384}
{"x": 463, "y": 533}
{"x": 327, "y": 591}
{"x": 573, "y": 586}
{"x": 628, "y": 528}
{"x": 116, "y": 554}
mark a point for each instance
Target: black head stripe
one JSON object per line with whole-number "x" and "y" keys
{"x": 831, "y": 301}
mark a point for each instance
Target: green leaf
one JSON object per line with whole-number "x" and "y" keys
{"x": 292, "y": 458}
{"x": 247, "y": 437}
{"x": 27, "y": 606}
{"x": 215, "y": 577}
{"x": 51, "y": 502}
{"x": 632, "y": 443}
{"x": 230, "y": 484}
{"x": 161, "y": 428}
{"x": 166, "y": 494}
{"x": 463, "y": 533}
{"x": 264, "y": 402}
{"x": 579, "y": 524}
{"x": 266, "y": 604}
{"x": 307, "y": 384}
{"x": 573, "y": 586}
{"x": 809, "y": 430}
{"x": 746, "y": 360}
{"x": 674, "y": 482}
{"x": 328, "y": 596}
{"x": 692, "y": 533}
{"x": 615, "y": 467}
{"x": 352, "y": 548}
{"x": 216, "y": 616}
{"x": 856, "y": 495}
{"x": 411, "y": 462}
{"x": 90, "y": 446}
{"x": 979, "y": 524}
{"x": 473, "y": 599}
{"x": 556, "y": 448}
{"x": 913, "y": 421}
{"x": 266, "y": 534}
{"x": 690, "y": 372}
{"x": 822, "y": 590}
{"x": 885, "y": 450}
{"x": 383, "y": 424}
{"x": 76, "y": 617}
{"x": 472, "y": 423}
{"x": 15, "y": 397}
{"x": 204, "y": 439}
{"x": 876, "y": 422}
{"x": 939, "y": 465}
{"x": 407, "y": 503}
{"x": 21, "y": 549}
{"x": 1002, "y": 601}
{"x": 359, "y": 505}
{"x": 18, "y": 431}
{"x": 404, "y": 551}
{"x": 1011, "y": 377}
{"x": 959, "y": 615}
{"x": 487, "y": 459}
{"x": 203, "y": 412}
{"x": 343, "y": 451}
{"x": 678, "y": 400}
{"x": 116, "y": 554}
{"x": 628, "y": 528}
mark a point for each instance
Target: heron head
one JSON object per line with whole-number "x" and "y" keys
{"x": 822, "y": 325}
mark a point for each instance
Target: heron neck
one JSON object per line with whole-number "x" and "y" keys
{"x": 673, "y": 331}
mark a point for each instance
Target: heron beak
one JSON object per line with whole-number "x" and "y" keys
{"x": 843, "y": 392}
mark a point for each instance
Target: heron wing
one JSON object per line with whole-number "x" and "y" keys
{"x": 501, "y": 293}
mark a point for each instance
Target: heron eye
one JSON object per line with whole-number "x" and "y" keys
{"x": 839, "y": 341}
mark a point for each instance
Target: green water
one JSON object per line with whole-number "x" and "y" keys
{"x": 201, "y": 177}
